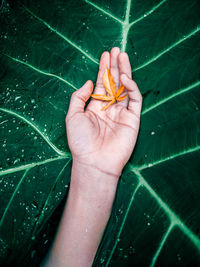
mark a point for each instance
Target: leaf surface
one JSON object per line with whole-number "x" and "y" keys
{"x": 48, "y": 50}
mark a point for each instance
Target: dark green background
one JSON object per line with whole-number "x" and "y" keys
{"x": 48, "y": 50}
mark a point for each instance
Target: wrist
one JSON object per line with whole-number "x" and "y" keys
{"x": 92, "y": 164}
{"x": 90, "y": 180}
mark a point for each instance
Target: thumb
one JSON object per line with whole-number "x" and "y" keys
{"x": 79, "y": 98}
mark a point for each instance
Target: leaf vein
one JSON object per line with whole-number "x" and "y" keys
{"x": 181, "y": 91}
{"x": 126, "y": 26}
{"x": 122, "y": 224}
{"x": 41, "y": 71}
{"x": 175, "y": 220}
{"x": 103, "y": 11}
{"x": 163, "y": 240}
{"x": 62, "y": 36}
{"x": 33, "y": 164}
{"x": 167, "y": 49}
{"x": 149, "y": 165}
{"x": 12, "y": 197}
{"x": 147, "y": 13}
{"x": 45, "y": 137}
{"x": 47, "y": 199}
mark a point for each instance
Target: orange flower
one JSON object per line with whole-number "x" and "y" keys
{"x": 110, "y": 87}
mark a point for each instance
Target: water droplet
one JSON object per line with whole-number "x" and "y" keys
{"x": 34, "y": 205}
{"x": 120, "y": 211}
{"x": 17, "y": 160}
{"x": 102, "y": 260}
{"x": 17, "y": 97}
{"x": 152, "y": 133}
{"x": 33, "y": 253}
{"x": 179, "y": 257}
{"x": 35, "y": 138}
{"x": 32, "y": 101}
{"x": 148, "y": 223}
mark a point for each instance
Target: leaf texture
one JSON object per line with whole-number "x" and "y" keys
{"x": 48, "y": 50}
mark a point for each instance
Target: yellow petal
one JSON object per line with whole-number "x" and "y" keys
{"x": 121, "y": 98}
{"x": 119, "y": 91}
{"x": 102, "y": 97}
{"x": 109, "y": 83}
{"x": 108, "y": 105}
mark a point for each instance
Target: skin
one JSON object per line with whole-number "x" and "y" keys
{"x": 101, "y": 142}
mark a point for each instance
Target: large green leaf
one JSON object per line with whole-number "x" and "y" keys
{"x": 48, "y": 50}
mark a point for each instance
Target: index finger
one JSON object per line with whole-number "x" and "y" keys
{"x": 104, "y": 63}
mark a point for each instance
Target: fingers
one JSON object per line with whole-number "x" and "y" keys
{"x": 124, "y": 67}
{"x": 114, "y": 68}
{"x": 79, "y": 99}
{"x": 104, "y": 63}
{"x": 135, "y": 97}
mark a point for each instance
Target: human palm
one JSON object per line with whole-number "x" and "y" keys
{"x": 105, "y": 139}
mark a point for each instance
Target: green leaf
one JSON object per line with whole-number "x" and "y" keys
{"x": 48, "y": 50}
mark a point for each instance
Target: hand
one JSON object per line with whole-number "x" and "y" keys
{"x": 105, "y": 139}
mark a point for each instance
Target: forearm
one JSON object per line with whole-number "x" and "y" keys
{"x": 85, "y": 216}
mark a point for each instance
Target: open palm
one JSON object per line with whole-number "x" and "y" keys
{"x": 105, "y": 139}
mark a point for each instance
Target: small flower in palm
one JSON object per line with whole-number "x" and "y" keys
{"x": 110, "y": 87}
